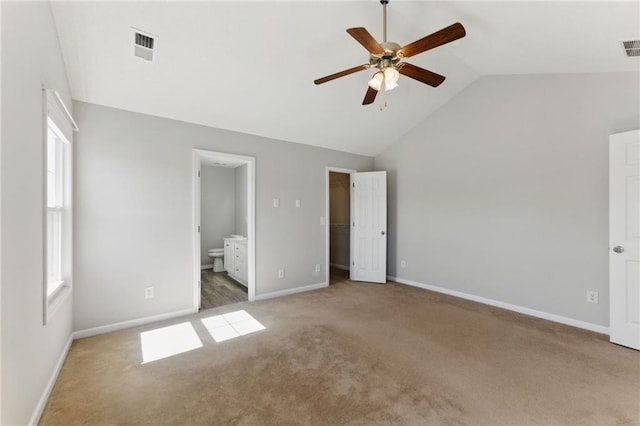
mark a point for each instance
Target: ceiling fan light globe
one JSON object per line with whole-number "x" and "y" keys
{"x": 376, "y": 81}
{"x": 390, "y": 86}
{"x": 391, "y": 76}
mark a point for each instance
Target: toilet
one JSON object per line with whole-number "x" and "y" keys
{"x": 217, "y": 255}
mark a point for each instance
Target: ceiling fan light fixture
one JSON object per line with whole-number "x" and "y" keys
{"x": 387, "y": 58}
{"x": 391, "y": 76}
{"x": 376, "y": 81}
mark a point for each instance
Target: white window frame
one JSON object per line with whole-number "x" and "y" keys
{"x": 57, "y": 212}
{"x": 56, "y": 148}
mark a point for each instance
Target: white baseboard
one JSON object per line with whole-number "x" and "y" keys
{"x": 206, "y": 266}
{"x": 291, "y": 291}
{"x": 338, "y": 266}
{"x": 521, "y": 309}
{"x": 44, "y": 398}
{"x": 131, "y": 323}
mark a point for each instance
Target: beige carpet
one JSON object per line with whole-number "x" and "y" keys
{"x": 358, "y": 354}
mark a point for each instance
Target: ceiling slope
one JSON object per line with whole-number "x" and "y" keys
{"x": 250, "y": 66}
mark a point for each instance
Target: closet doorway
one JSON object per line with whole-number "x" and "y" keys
{"x": 223, "y": 228}
{"x": 338, "y": 219}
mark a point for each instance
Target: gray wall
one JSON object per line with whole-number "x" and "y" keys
{"x": 133, "y": 221}
{"x": 217, "y": 208}
{"x": 241, "y": 200}
{"x": 339, "y": 211}
{"x": 30, "y": 57}
{"x": 503, "y": 193}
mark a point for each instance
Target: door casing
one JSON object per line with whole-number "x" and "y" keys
{"x": 329, "y": 169}
{"x": 200, "y": 156}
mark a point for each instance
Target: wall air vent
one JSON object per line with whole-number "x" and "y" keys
{"x": 145, "y": 45}
{"x": 632, "y": 47}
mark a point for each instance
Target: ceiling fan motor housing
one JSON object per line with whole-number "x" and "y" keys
{"x": 390, "y": 57}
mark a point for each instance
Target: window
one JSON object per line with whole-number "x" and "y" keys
{"x": 56, "y": 184}
{"x": 57, "y": 213}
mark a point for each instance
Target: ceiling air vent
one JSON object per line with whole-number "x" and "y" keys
{"x": 632, "y": 47}
{"x": 144, "y": 45}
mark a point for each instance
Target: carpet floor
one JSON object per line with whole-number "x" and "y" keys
{"x": 352, "y": 353}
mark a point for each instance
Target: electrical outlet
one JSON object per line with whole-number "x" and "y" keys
{"x": 280, "y": 273}
{"x": 317, "y": 267}
{"x": 322, "y": 221}
{"x": 297, "y": 203}
{"x": 403, "y": 263}
{"x": 592, "y": 296}
{"x": 276, "y": 202}
{"x": 148, "y": 293}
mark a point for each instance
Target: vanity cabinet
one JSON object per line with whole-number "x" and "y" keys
{"x": 235, "y": 259}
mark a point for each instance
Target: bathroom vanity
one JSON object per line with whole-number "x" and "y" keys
{"x": 235, "y": 259}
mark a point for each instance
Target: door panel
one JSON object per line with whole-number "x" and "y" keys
{"x": 624, "y": 238}
{"x": 369, "y": 227}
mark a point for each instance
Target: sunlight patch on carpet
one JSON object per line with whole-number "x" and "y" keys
{"x": 234, "y": 324}
{"x": 168, "y": 341}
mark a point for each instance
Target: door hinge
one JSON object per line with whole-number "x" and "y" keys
{"x": 198, "y": 173}
{"x": 198, "y": 228}
{"x": 354, "y": 184}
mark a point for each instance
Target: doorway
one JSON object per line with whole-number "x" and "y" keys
{"x": 223, "y": 228}
{"x": 338, "y": 223}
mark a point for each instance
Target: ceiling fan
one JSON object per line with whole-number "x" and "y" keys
{"x": 387, "y": 57}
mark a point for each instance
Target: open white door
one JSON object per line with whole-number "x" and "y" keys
{"x": 624, "y": 239}
{"x": 369, "y": 227}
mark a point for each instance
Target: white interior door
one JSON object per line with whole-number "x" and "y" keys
{"x": 624, "y": 238}
{"x": 369, "y": 227}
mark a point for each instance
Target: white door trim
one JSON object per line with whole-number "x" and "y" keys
{"x": 326, "y": 214}
{"x": 198, "y": 156}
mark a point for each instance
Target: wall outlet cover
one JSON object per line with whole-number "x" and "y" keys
{"x": 592, "y": 296}
{"x": 148, "y": 293}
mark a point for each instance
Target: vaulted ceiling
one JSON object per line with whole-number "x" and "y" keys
{"x": 250, "y": 66}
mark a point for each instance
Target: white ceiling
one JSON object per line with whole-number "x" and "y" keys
{"x": 250, "y": 66}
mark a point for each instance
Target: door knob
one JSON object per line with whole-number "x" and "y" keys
{"x": 381, "y": 232}
{"x": 618, "y": 249}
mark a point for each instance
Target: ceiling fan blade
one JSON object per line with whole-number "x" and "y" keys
{"x": 444, "y": 36}
{"x": 370, "y": 96}
{"x": 341, "y": 74}
{"x": 422, "y": 75}
{"x": 363, "y": 37}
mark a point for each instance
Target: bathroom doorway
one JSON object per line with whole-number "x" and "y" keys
{"x": 224, "y": 228}
{"x": 338, "y": 220}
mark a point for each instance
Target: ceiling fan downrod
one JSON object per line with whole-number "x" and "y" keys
{"x": 384, "y": 19}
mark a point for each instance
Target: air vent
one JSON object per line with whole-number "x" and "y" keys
{"x": 144, "y": 41}
{"x": 144, "y": 46}
{"x": 632, "y": 47}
